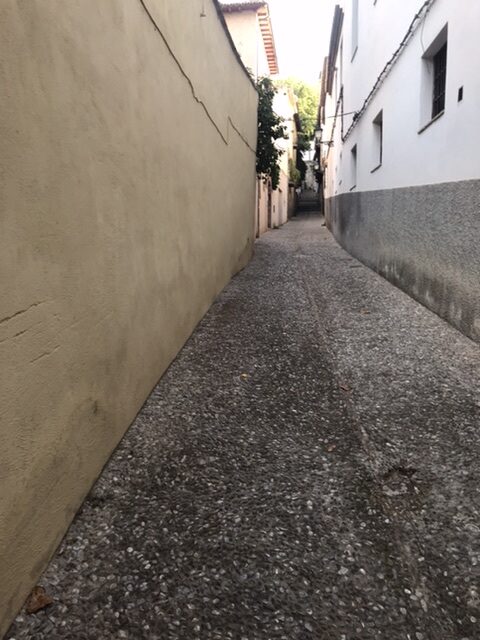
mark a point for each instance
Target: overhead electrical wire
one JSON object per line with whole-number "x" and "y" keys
{"x": 339, "y": 102}
{"x": 421, "y": 15}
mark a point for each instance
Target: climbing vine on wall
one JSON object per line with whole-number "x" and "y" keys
{"x": 270, "y": 129}
{"x": 294, "y": 175}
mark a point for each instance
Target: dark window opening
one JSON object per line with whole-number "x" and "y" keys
{"x": 460, "y": 94}
{"x": 378, "y": 129}
{"x": 354, "y": 167}
{"x": 439, "y": 81}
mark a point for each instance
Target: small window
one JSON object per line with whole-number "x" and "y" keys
{"x": 354, "y": 167}
{"x": 378, "y": 140}
{"x": 434, "y": 80}
{"x": 439, "y": 80}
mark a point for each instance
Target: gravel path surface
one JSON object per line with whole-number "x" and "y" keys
{"x": 307, "y": 469}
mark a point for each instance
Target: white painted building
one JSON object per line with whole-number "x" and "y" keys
{"x": 400, "y": 146}
{"x": 310, "y": 181}
{"x": 285, "y": 105}
{"x": 251, "y": 30}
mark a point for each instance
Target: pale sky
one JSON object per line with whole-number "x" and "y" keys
{"x": 302, "y": 35}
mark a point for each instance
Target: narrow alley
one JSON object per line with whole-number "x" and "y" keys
{"x": 306, "y": 469}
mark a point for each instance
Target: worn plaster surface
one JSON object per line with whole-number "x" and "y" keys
{"x": 115, "y": 237}
{"x": 308, "y": 468}
{"x": 424, "y": 239}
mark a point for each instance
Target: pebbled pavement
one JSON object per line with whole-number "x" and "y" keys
{"x": 307, "y": 469}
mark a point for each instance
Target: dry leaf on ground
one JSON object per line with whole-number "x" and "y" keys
{"x": 37, "y": 600}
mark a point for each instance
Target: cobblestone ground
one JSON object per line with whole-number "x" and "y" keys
{"x": 308, "y": 469}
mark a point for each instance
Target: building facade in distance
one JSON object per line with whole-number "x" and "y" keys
{"x": 251, "y": 30}
{"x": 252, "y": 33}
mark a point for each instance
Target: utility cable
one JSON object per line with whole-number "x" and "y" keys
{"x": 388, "y": 67}
{"x": 339, "y": 102}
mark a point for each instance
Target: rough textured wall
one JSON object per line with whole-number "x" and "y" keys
{"x": 127, "y": 203}
{"x": 423, "y": 239}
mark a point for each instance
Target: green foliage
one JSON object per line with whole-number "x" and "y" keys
{"x": 302, "y": 167}
{"x": 303, "y": 142}
{"x": 270, "y": 129}
{"x": 308, "y": 98}
{"x": 295, "y": 177}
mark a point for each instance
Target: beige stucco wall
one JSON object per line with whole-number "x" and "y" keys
{"x": 108, "y": 256}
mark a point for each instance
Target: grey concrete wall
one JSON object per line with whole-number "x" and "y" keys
{"x": 426, "y": 240}
{"x": 127, "y": 202}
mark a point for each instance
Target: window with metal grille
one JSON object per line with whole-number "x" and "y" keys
{"x": 439, "y": 80}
